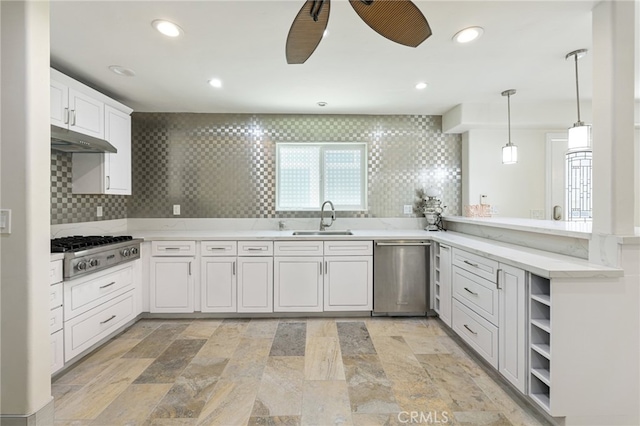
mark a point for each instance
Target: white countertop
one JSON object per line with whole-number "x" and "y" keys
{"x": 56, "y": 256}
{"x": 544, "y": 264}
{"x": 553, "y": 227}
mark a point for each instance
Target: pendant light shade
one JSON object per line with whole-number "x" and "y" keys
{"x": 580, "y": 133}
{"x": 509, "y": 151}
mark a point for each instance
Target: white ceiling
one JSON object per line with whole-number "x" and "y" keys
{"x": 354, "y": 70}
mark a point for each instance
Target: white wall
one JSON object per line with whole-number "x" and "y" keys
{"x": 25, "y": 387}
{"x": 514, "y": 190}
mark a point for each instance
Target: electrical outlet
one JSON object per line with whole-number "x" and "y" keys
{"x": 5, "y": 221}
{"x": 176, "y": 209}
{"x": 408, "y": 209}
{"x": 99, "y": 211}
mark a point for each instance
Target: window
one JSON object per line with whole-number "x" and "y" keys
{"x": 307, "y": 174}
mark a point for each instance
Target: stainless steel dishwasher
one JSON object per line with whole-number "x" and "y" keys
{"x": 400, "y": 278}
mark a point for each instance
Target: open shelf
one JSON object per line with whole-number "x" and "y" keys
{"x": 543, "y": 324}
{"x": 545, "y": 299}
{"x": 540, "y": 330}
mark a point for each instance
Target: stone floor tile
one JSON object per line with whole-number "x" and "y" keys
{"x": 168, "y": 366}
{"x": 326, "y": 403}
{"x": 157, "y": 341}
{"x": 231, "y": 403}
{"x": 354, "y": 338}
{"x": 290, "y": 339}
{"x": 398, "y": 360}
{"x": 323, "y": 359}
{"x": 262, "y": 328}
{"x": 426, "y": 345}
{"x": 141, "y": 329}
{"x": 321, "y": 327}
{"x": 377, "y": 419}
{"x": 133, "y": 405}
{"x": 274, "y": 421}
{"x": 248, "y": 360}
{"x": 480, "y": 418}
{"x": 200, "y": 329}
{"x": 280, "y": 392}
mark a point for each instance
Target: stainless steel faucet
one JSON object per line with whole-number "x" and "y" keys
{"x": 333, "y": 215}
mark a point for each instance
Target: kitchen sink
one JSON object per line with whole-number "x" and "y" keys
{"x": 322, "y": 233}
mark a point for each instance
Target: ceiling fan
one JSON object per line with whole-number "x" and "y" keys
{"x": 398, "y": 20}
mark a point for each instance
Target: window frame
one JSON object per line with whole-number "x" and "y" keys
{"x": 323, "y": 146}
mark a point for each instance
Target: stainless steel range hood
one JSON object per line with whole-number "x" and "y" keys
{"x": 69, "y": 141}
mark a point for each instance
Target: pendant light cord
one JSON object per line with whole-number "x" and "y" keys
{"x": 577, "y": 88}
{"x": 509, "y": 115}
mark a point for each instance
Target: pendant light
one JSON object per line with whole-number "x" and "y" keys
{"x": 580, "y": 133}
{"x": 509, "y": 151}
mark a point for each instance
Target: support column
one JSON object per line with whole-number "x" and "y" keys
{"x": 613, "y": 110}
{"x": 25, "y": 381}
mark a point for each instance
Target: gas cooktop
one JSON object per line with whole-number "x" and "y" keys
{"x": 78, "y": 243}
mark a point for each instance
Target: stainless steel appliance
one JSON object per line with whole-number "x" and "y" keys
{"x": 400, "y": 277}
{"x": 83, "y": 255}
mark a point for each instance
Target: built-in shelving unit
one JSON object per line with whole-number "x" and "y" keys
{"x": 442, "y": 281}
{"x": 540, "y": 341}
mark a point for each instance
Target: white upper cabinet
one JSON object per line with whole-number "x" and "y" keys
{"x": 84, "y": 110}
{"x": 75, "y": 109}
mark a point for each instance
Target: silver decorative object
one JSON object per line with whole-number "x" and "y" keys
{"x": 432, "y": 210}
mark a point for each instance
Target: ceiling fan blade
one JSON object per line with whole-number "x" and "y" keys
{"x": 398, "y": 20}
{"x": 307, "y": 30}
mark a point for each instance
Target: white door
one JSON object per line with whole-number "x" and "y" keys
{"x": 86, "y": 115}
{"x": 255, "y": 284}
{"x": 512, "y": 325}
{"x": 348, "y": 283}
{"x": 118, "y": 166}
{"x": 297, "y": 284}
{"x": 59, "y": 104}
{"x": 445, "y": 284}
{"x": 218, "y": 275}
{"x": 171, "y": 284}
{"x": 556, "y": 176}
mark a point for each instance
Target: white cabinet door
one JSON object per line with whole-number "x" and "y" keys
{"x": 118, "y": 166}
{"x": 297, "y": 284}
{"x": 59, "y": 97}
{"x": 171, "y": 284}
{"x": 86, "y": 114}
{"x": 57, "y": 351}
{"x": 255, "y": 284}
{"x": 512, "y": 325}
{"x": 445, "y": 284}
{"x": 218, "y": 284}
{"x": 348, "y": 283}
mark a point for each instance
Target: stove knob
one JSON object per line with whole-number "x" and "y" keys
{"x": 134, "y": 250}
{"x": 125, "y": 252}
{"x": 81, "y": 266}
{"x": 93, "y": 262}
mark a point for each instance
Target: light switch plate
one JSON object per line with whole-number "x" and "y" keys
{"x": 408, "y": 209}
{"x": 99, "y": 211}
{"x": 176, "y": 209}
{"x": 5, "y": 221}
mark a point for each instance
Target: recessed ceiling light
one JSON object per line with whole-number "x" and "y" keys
{"x": 123, "y": 71}
{"x": 322, "y": 104}
{"x": 468, "y": 34}
{"x": 215, "y": 82}
{"x": 167, "y": 28}
{"x": 421, "y": 85}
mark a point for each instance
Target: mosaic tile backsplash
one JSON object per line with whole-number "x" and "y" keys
{"x": 223, "y": 165}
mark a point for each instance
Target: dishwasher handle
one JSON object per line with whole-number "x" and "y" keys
{"x": 421, "y": 243}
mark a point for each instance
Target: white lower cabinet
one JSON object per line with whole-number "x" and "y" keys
{"x": 479, "y": 333}
{"x": 172, "y": 276}
{"x": 512, "y": 326}
{"x": 442, "y": 282}
{"x": 255, "y": 284}
{"x": 348, "y": 277}
{"x": 218, "y": 284}
{"x": 297, "y": 284}
{"x": 56, "y": 315}
{"x": 57, "y": 351}
{"x": 172, "y": 284}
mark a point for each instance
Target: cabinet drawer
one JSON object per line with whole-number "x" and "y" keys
{"x": 173, "y": 248}
{"x": 218, "y": 248}
{"x": 298, "y": 248}
{"x": 57, "y": 351}
{"x": 485, "y": 268}
{"x": 55, "y": 271}
{"x": 55, "y": 296}
{"x": 476, "y": 331}
{"x": 55, "y": 320}
{"x": 255, "y": 248}
{"x": 348, "y": 248}
{"x": 477, "y": 293}
{"x": 88, "y": 329}
{"x": 86, "y": 293}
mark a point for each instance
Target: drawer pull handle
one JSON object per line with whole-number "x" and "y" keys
{"x": 444, "y": 247}
{"x": 255, "y": 249}
{"x": 113, "y": 316}
{"x": 475, "y": 265}
{"x": 108, "y": 285}
{"x": 475, "y": 294}
{"x": 498, "y": 283}
{"x": 467, "y": 327}
{"x": 234, "y": 267}
{"x": 216, "y": 248}
{"x": 170, "y": 248}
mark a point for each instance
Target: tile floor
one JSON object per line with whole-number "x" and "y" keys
{"x": 352, "y": 371}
